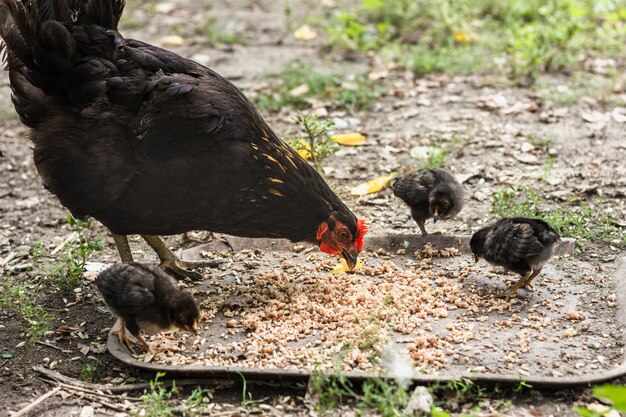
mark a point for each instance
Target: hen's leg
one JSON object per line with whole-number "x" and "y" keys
{"x": 171, "y": 262}
{"x": 121, "y": 241}
{"x": 121, "y": 334}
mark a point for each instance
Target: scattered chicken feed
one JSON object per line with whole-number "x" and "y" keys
{"x": 436, "y": 309}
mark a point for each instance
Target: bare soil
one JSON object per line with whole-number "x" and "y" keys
{"x": 481, "y": 120}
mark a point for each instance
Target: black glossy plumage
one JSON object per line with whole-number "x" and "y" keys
{"x": 148, "y": 142}
{"x": 518, "y": 244}
{"x": 147, "y": 298}
{"x": 428, "y": 190}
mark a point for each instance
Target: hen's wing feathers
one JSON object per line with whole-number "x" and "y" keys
{"x": 514, "y": 241}
{"x": 180, "y": 108}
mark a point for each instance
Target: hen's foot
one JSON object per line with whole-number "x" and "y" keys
{"x": 172, "y": 263}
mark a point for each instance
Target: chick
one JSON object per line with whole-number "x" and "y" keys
{"x": 518, "y": 244}
{"x": 430, "y": 193}
{"x": 143, "y": 297}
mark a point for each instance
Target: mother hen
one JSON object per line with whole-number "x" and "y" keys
{"x": 150, "y": 143}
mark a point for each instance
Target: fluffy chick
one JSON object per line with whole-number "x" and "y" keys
{"x": 430, "y": 193}
{"x": 143, "y": 297}
{"x": 518, "y": 244}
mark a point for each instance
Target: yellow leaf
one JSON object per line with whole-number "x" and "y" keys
{"x": 466, "y": 37}
{"x": 372, "y": 186}
{"x": 304, "y": 149}
{"x": 305, "y": 33}
{"x": 171, "y": 40}
{"x": 343, "y": 267}
{"x": 349, "y": 139}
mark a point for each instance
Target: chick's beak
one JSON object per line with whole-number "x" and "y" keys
{"x": 195, "y": 327}
{"x": 351, "y": 258}
{"x": 476, "y": 258}
{"x": 436, "y": 215}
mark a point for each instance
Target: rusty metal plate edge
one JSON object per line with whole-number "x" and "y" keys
{"x": 275, "y": 374}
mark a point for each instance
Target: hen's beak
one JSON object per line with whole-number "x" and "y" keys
{"x": 351, "y": 258}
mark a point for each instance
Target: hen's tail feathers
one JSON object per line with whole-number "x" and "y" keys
{"x": 43, "y": 43}
{"x": 24, "y": 23}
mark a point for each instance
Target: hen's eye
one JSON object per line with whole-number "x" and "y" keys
{"x": 342, "y": 234}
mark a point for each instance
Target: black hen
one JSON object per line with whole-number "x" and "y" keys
{"x": 518, "y": 244}
{"x": 145, "y": 298}
{"x": 150, "y": 143}
{"x": 430, "y": 193}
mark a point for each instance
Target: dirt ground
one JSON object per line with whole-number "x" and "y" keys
{"x": 485, "y": 124}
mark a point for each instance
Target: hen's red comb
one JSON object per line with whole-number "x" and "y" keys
{"x": 360, "y": 233}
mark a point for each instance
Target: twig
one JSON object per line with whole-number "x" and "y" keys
{"x": 39, "y": 342}
{"x": 71, "y": 237}
{"x": 95, "y": 393}
{"x": 98, "y": 398}
{"x": 35, "y": 403}
{"x": 120, "y": 389}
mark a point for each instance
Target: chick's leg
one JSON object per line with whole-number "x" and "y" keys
{"x": 145, "y": 347}
{"x": 121, "y": 334}
{"x": 529, "y": 279}
{"x": 171, "y": 262}
{"x": 121, "y": 241}
{"x": 512, "y": 293}
{"x": 421, "y": 224}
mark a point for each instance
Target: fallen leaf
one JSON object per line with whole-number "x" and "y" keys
{"x": 303, "y": 148}
{"x": 343, "y": 267}
{"x": 527, "y": 158}
{"x": 349, "y": 139}
{"x": 300, "y": 90}
{"x": 372, "y": 186}
{"x": 305, "y": 33}
{"x": 171, "y": 40}
{"x": 619, "y": 114}
{"x": 466, "y": 37}
{"x": 594, "y": 116}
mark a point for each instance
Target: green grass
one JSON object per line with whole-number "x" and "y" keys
{"x": 614, "y": 394}
{"x": 352, "y": 94}
{"x": 217, "y": 33}
{"x": 575, "y": 219}
{"x": 529, "y": 36}
{"x": 155, "y": 401}
{"x": 21, "y": 297}
{"x": 67, "y": 270}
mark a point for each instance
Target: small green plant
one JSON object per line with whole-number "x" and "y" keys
{"x": 21, "y": 297}
{"x": 155, "y": 401}
{"x": 436, "y": 158}
{"x": 318, "y": 144}
{"x": 576, "y": 219}
{"x": 89, "y": 372}
{"x": 67, "y": 270}
{"x": 386, "y": 396}
{"x": 615, "y": 394}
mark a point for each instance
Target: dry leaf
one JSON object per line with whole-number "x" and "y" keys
{"x": 349, "y": 139}
{"x": 466, "y": 37}
{"x": 304, "y": 149}
{"x": 343, "y": 267}
{"x": 300, "y": 90}
{"x": 372, "y": 186}
{"x": 305, "y": 33}
{"x": 171, "y": 40}
{"x": 619, "y": 114}
{"x": 594, "y": 116}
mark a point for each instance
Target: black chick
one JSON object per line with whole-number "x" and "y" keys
{"x": 518, "y": 244}
{"x": 430, "y": 193}
{"x": 143, "y": 297}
